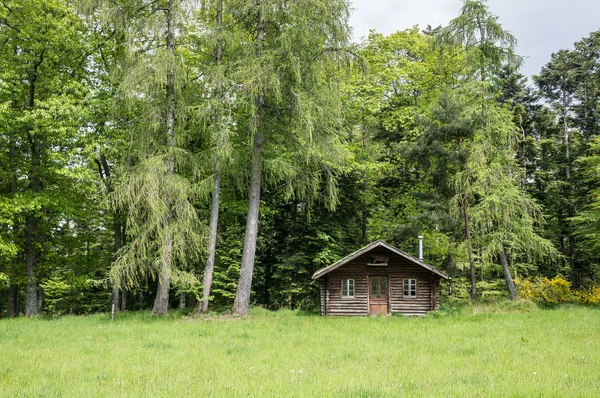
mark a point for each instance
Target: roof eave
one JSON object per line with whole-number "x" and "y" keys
{"x": 352, "y": 256}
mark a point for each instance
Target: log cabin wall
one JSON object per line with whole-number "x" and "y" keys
{"x": 322, "y": 282}
{"x": 397, "y": 270}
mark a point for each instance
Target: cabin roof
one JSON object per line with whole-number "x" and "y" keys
{"x": 374, "y": 245}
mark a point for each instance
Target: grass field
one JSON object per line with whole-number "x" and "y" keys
{"x": 472, "y": 352}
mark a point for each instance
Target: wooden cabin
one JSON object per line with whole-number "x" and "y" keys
{"x": 379, "y": 279}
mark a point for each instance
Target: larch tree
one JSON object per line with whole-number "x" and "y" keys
{"x": 487, "y": 47}
{"x": 156, "y": 189}
{"x": 505, "y": 218}
{"x": 289, "y": 77}
{"x": 214, "y": 109}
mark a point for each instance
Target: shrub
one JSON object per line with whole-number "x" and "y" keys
{"x": 56, "y": 292}
{"x": 551, "y": 292}
{"x": 546, "y": 292}
{"x": 590, "y": 297}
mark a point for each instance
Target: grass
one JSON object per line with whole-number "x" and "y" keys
{"x": 493, "y": 350}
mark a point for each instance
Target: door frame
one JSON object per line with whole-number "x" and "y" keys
{"x": 388, "y": 293}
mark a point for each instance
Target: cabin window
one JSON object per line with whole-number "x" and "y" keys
{"x": 410, "y": 288}
{"x": 347, "y": 287}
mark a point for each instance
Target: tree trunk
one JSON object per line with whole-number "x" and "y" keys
{"x": 470, "y": 250}
{"x": 514, "y": 295}
{"x": 123, "y": 299}
{"x": 13, "y": 290}
{"x": 242, "y": 297}
{"x": 182, "y": 300}
{"x": 35, "y": 184}
{"x": 570, "y": 207}
{"x": 202, "y": 305}
{"x": 567, "y": 145}
{"x": 117, "y": 238}
{"x": 161, "y": 303}
{"x": 31, "y": 296}
{"x": 13, "y": 295}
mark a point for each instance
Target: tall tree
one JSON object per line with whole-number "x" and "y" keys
{"x": 488, "y": 48}
{"x": 292, "y": 97}
{"x": 157, "y": 191}
{"x": 43, "y": 64}
{"x": 219, "y": 136}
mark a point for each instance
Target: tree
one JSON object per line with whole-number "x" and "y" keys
{"x": 292, "y": 100}
{"x": 488, "y": 47}
{"x": 157, "y": 190}
{"x": 43, "y": 64}
{"x": 505, "y": 217}
{"x": 219, "y": 132}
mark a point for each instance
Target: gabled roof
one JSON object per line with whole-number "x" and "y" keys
{"x": 368, "y": 248}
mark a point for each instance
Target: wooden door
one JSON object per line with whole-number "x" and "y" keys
{"x": 378, "y": 295}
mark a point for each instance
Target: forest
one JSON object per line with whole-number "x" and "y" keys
{"x": 213, "y": 154}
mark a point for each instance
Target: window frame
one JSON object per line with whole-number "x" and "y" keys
{"x": 409, "y": 295}
{"x": 379, "y": 279}
{"x": 346, "y": 282}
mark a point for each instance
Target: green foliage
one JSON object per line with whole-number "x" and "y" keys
{"x": 73, "y": 295}
{"x": 399, "y": 135}
{"x": 4, "y": 280}
{"x": 56, "y": 292}
{"x": 154, "y": 221}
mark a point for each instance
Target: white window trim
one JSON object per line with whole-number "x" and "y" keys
{"x": 346, "y": 281}
{"x": 409, "y": 296}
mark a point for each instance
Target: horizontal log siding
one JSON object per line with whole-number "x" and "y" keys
{"x": 397, "y": 269}
{"x": 322, "y": 295}
{"x": 338, "y": 305}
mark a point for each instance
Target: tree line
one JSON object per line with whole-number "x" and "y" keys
{"x": 214, "y": 154}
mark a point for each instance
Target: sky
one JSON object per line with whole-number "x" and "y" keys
{"x": 541, "y": 27}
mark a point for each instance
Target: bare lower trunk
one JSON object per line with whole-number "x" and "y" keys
{"x": 161, "y": 302}
{"x": 182, "y": 300}
{"x": 202, "y": 305}
{"x": 31, "y": 293}
{"x": 470, "y": 252}
{"x": 115, "y": 299}
{"x": 117, "y": 238}
{"x": 242, "y": 297}
{"x": 514, "y": 294}
{"x": 123, "y": 299}
{"x": 31, "y": 224}
{"x": 13, "y": 296}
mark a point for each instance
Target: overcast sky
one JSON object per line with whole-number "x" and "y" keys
{"x": 540, "y": 26}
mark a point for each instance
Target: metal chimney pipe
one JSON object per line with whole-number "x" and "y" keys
{"x": 420, "y": 248}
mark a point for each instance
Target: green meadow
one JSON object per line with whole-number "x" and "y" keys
{"x": 474, "y": 351}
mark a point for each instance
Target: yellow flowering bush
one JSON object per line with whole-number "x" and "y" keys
{"x": 590, "y": 297}
{"x": 546, "y": 292}
{"x": 551, "y": 292}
